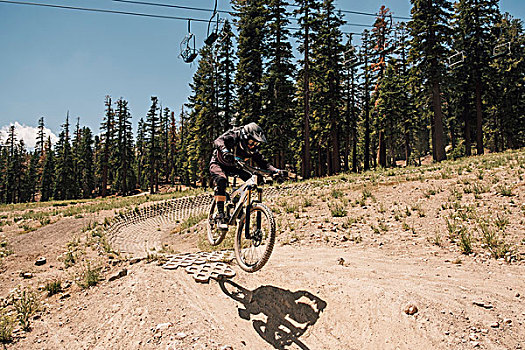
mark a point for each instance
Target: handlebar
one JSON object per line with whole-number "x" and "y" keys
{"x": 279, "y": 177}
{"x": 253, "y": 170}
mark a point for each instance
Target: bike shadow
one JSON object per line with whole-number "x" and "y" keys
{"x": 288, "y": 314}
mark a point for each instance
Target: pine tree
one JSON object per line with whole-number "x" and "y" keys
{"x": 86, "y": 169}
{"x": 327, "y": 55}
{"x": 20, "y": 169}
{"x": 430, "y": 35}
{"x": 13, "y": 167}
{"x": 48, "y": 173}
{"x": 306, "y": 20}
{"x": 350, "y": 99}
{"x": 164, "y": 143}
{"x": 97, "y": 160}
{"x": 474, "y": 20}
{"x": 203, "y": 123}
{"x": 251, "y": 25}
{"x": 365, "y": 53}
{"x": 3, "y": 173}
{"x": 107, "y": 143}
{"x": 125, "y": 177}
{"x": 40, "y": 139}
{"x": 65, "y": 186}
{"x": 184, "y": 141}
{"x": 278, "y": 89}
{"x": 152, "y": 145}
{"x": 380, "y": 55}
{"x": 391, "y": 105}
{"x": 506, "y": 96}
{"x": 173, "y": 149}
{"x": 225, "y": 75}
{"x": 75, "y": 150}
{"x": 409, "y": 119}
{"x": 141, "y": 155}
{"x": 30, "y": 178}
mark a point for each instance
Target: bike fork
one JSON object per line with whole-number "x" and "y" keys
{"x": 247, "y": 222}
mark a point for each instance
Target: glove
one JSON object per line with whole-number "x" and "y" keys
{"x": 227, "y": 155}
{"x": 281, "y": 173}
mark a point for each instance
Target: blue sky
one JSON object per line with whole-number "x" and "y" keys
{"x": 53, "y": 60}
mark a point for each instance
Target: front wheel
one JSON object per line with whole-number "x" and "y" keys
{"x": 215, "y": 235}
{"x": 253, "y": 248}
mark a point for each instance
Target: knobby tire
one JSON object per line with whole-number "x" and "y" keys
{"x": 243, "y": 246}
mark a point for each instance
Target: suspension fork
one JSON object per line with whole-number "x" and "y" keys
{"x": 249, "y": 209}
{"x": 259, "y": 214}
{"x": 247, "y": 214}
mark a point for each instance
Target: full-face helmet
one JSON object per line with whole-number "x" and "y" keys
{"x": 251, "y": 136}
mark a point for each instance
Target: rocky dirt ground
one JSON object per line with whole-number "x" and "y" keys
{"x": 415, "y": 258}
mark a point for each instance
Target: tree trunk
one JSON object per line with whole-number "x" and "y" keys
{"x": 407, "y": 145}
{"x": 367, "y": 134}
{"x": 438, "y": 135}
{"x": 466, "y": 131}
{"x": 354, "y": 149}
{"x": 335, "y": 158}
{"x": 381, "y": 150}
{"x": 479, "y": 120}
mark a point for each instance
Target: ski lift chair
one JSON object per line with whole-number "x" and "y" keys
{"x": 350, "y": 56}
{"x": 211, "y": 37}
{"x": 501, "y": 50}
{"x": 187, "y": 46}
{"x": 456, "y": 59}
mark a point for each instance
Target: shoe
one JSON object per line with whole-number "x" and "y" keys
{"x": 221, "y": 222}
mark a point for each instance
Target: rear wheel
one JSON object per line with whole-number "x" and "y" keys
{"x": 253, "y": 249}
{"x": 215, "y": 235}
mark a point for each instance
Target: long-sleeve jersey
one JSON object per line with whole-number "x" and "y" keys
{"x": 231, "y": 140}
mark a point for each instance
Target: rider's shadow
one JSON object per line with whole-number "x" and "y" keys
{"x": 288, "y": 314}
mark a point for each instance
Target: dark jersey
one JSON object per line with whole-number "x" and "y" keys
{"x": 231, "y": 140}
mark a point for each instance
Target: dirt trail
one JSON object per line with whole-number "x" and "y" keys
{"x": 303, "y": 299}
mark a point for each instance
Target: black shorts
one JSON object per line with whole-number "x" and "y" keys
{"x": 218, "y": 171}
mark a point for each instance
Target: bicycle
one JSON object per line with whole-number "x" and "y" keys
{"x": 255, "y": 236}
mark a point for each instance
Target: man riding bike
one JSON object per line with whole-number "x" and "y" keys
{"x": 239, "y": 142}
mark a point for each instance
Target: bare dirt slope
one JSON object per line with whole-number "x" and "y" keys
{"x": 302, "y": 300}
{"x": 448, "y": 241}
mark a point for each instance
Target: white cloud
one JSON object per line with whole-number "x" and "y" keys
{"x": 26, "y": 133}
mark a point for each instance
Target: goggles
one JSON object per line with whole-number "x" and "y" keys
{"x": 252, "y": 143}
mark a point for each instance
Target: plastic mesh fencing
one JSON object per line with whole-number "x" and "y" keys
{"x": 139, "y": 230}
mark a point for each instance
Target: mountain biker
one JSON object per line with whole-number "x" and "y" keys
{"x": 239, "y": 142}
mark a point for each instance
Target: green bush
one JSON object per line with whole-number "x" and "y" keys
{"x": 338, "y": 210}
{"x": 89, "y": 276}
{"x": 26, "y": 305}
{"x": 6, "y": 327}
{"x": 53, "y": 287}
{"x": 465, "y": 242}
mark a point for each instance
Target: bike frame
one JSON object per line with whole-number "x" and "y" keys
{"x": 245, "y": 195}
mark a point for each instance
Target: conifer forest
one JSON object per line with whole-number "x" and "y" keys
{"x": 449, "y": 82}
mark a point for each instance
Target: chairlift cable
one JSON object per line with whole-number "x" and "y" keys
{"x": 138, "y": 14}
{"x": 191, "y": 8}
{"x": 232, "y": 13}
{"x": 102, "y": 11}
{"x": 172, "y": 6}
